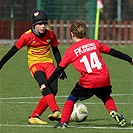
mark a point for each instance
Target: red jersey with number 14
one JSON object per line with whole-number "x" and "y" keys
{"x": 85, "y": 56}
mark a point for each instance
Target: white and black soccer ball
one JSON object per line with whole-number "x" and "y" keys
{"x": 79, "y": 113}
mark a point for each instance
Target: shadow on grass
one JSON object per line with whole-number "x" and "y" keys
{"x": 87, "y": 122}
{"x": 98, "y": 123}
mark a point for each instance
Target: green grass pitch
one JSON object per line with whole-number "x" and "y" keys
{"x": 19, "y": 94}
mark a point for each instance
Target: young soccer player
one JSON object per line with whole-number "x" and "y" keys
{"x": 85, "y": 56}
{"x": 40, "y": 41}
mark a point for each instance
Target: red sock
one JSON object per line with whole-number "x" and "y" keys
{"x": 40, "y": 108}
{"x": 50, "y": 99}
{"x": 110, "y": 104}
{"x": 67, "y": 110}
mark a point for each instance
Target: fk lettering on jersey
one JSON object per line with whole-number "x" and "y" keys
{"x": 84, "y": 48}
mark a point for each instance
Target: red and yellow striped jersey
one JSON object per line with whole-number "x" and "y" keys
{"x": 38, "y": 48}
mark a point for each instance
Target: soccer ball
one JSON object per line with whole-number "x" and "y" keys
{"x": 79, "y": 113}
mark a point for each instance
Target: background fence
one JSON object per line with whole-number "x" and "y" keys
{"x": 115, "y": 26}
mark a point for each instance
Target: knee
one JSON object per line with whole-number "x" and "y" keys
{"x": 48, "y": 90}
{"x": 55, "y": 92}
{"x": 54, "y": 87}
{"x": 72, "y": 98}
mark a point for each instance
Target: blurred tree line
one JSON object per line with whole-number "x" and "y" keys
{"x": 110, "y": 10}
{"x": 64, "y": 9}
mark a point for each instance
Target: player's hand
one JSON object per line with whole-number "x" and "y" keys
{"x": 131, "y": 62}
{"x": 42, "y": 87}
{"x": 63, "y": 75}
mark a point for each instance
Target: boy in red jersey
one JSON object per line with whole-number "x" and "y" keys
{"x": 85, "y": 56}
{"x": 39, "y": 42}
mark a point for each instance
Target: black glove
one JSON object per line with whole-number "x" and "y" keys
{"x": 1, "y": 65}
{"x": 63, "y": 75}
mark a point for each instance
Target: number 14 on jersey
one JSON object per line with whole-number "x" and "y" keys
{"x": 93, "y": 62}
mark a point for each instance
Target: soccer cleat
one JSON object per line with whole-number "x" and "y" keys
{"x": 119, "y": 118}
{"x": 61, "y": 126}
{"x": 36, "y": 120}
{"x": 55, "y": 116}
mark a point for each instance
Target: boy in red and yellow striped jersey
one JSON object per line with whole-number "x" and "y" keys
{"x": 40, "y": 41}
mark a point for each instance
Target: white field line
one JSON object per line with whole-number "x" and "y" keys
{"x": 61, "y": 103}
{"x": 19, "y": 102}
{"x": 13, "y": 98}
{"x": 50, "y": 126}
{"x": 81, "y": 127}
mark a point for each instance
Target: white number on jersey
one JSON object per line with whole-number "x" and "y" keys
{"x": 94, "y": 62}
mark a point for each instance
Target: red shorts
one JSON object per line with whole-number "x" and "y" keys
{"x": 47, "y": 68}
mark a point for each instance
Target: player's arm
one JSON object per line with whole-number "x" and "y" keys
{"x": 7, "y": 56}
{"x": 120, "y": 55}
{"x": 54, "y": 75}
{"x": 57, "y": 56}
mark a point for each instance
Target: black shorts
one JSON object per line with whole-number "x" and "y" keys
{"x": 82, "y": 93}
